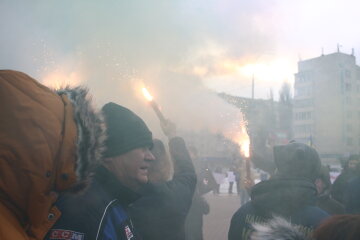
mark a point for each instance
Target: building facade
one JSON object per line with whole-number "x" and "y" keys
{"x": 326, "y": 109}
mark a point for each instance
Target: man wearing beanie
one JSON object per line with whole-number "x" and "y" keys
{"x": 290, "y": 193}
{"x": 101, "y": 211}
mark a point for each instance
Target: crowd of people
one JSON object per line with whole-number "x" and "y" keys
{"x": 69, "y": 171}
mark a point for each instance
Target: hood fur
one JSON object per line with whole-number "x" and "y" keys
{"x": 90, "y": 128}
{"x": 277, "y": 229}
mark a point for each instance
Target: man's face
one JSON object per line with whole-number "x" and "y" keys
{"x": 131, "y": 168}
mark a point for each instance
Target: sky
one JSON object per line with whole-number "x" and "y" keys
{"x": 184, "y": 51}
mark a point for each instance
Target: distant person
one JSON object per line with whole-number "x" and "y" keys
{"x": 240, "y": 186}
{"x": 290, "y": 193}
{"x": 348, "y": 174}
{"x": 339, "y": 227}
{"x": 231, "y": 179}
{"x": 101, "y": 212}
{"x": 49, "y": 142}
{"x": 161, "y": 211}
{"x": 324, "y": 199}
{"x": 219, "y": 177}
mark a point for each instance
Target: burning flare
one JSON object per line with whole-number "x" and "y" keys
{"x": 243, "y": 140}
{"x": 154, "y": 105}
{"x": 147, "y": 95}
{"x": 245, "y": 147}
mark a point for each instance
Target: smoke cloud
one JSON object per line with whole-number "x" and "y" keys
{"x": 184, "y": 51}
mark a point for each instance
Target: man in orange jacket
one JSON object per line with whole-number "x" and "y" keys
{"x": 48, "y": 143}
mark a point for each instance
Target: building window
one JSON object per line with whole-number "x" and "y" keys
{"x": 349, "y": 141}
{"x": 348, "y": 87}
{"x": 349, "y": 127}
{"x": 302, "y": 116}
{"x": 349, "y": 114}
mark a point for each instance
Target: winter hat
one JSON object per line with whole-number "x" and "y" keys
{"x": 297, "y": 160}
{"x": 125, "y": 130}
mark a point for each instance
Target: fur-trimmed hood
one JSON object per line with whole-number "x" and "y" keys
{"x": 90, "y": 130}
{"x": 49, "y": 142}
{"x": 277, "y": 229}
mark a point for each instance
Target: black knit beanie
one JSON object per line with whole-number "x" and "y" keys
{"x": 125, "y": 130}
{"x": 297, "y": 160}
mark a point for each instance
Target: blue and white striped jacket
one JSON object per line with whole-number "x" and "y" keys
{"x": 99, "y": 213}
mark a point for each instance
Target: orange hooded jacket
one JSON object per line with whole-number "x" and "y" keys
{"x": 48, "y": 143}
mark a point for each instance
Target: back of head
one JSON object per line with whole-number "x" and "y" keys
{"x": 339, "y": 227}
{"x": 125, "y": 130}
{"x": 297, "y": 160}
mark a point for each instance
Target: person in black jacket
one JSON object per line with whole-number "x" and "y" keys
{"x": 101, "y": 211}
{"x": 290, "y": 193}
{"x": 339, "y": 187}
{"x": 324, "y": 200}
{"x": 161, "y": 211}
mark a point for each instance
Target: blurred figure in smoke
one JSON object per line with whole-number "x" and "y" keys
{"x": 161, "y": 211}
{"x": 340, "y": 227}
{"x": 231, "y": 179}
{"x": 290, "y": 193}
{"x": 240, "y": 185}
{"x": 324, "y": 199}
{"x": 199, "y": 206}
{"x": 219, "y": 177}
{"x": 341, "y": 183}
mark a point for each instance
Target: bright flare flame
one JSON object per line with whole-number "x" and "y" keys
{"x": 245, "y": 148}
{"x": 147, "y": 95}
{"x": 243, "y": 140}
{"x": 60, "y": 79}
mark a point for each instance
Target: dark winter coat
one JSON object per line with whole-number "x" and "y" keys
{"x": 339, "y": 187}
{"x": 329, "y": 205}
{"x": 161, "y": 211}
{"x": 352, "y": 204}
{"x": 99, "y": 213}
{"x": 293, "y": 199}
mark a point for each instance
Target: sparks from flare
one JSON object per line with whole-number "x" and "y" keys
{"x": 243, "y": 140}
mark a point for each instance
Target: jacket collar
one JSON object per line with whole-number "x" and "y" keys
{"x": 114, "y": 187}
